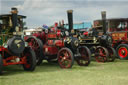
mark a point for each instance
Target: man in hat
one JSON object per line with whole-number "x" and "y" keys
{"x": 94, "y": 31}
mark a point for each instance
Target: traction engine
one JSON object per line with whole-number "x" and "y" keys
{"x": 118, "y": 29}
{"x": 13, "y": 49}
{"x": 99, "y": 44}
{"x": 57, "y": 43}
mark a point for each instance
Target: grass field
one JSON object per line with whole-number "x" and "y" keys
{"x": 113, "y": 73}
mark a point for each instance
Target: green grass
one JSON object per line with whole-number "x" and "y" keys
{"x": 113, "y": 73}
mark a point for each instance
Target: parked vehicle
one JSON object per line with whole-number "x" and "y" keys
{"x": 58, "y": 44}
{"x": 13, "y": 48}
{"x": 99, "y": 43}
{"x": 118, "y": 29}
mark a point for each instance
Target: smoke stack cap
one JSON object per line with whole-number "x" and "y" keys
{"x": 70, "y": 11}
{"x": 103, "y": 12}
{"x": 14, "y": 10}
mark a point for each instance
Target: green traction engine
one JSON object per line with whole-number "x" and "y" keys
{"x": 13, "y": 49}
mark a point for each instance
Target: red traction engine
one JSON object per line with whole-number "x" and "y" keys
{"x": 58, "y": 44}
{"x": 13, "y": 48}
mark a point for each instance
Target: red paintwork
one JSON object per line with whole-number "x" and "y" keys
{"x": 59, "y": 43}
{"x": 53, "y": 29}
{"x": 52, "y": 35}
{"x": 2, "y": 48}
{"x": 56, "y": 24}
{"x": 119, "y": 38}
{"x": 58, "y": 33}
{"x": 49, "y": 47}
{"x": 41, "y": 35}
{"x": 123, "y": 52}
{"x": 33, "y": 43}
{"x": 85, "y": 33}
{"x": 50, "y": 50}
{"x": 7, "y": 62}
{"x": 25, "y": 37}
{"x": 53, "y": 42}
{"x": 27, "y": 65}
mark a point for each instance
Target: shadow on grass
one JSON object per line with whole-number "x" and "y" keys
{"x": 18, "y": 69}
{"x": 53, "y": 66}
{"x": 117, "y": 60}
{"x": 12, "y": 70}
{"x": 44, "y": 67}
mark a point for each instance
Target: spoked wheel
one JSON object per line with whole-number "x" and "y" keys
{"x": 112, "y": 54}
{"x": 122, "y": 51}
{"x": 85, "y": 58}
{"x": 1, "y": 64}
{"x": 65, "y": 58}
{"x": 30, "y": 60}
{"x": 101, "y": 54}
{"x": 36, "y": 45}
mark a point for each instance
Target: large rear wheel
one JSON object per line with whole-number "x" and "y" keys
{"x": 101, "y": 54}
{"x": 30, "y": 60}
{"x": 37, "y": 46}
{"x": 1, "y": 64}
{"x": 85, "y": 58}
{"x": 65, "y": 58}
{"x": 112, "y": 54}
{"x": 122, "y": 51}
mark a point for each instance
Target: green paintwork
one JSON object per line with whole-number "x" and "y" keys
{"x": 5, "y": 32}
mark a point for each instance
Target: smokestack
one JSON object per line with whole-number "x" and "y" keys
{"x": 103, "y": 13}
{"x": 14, "y": 12}
{"x": 70, "y": 20}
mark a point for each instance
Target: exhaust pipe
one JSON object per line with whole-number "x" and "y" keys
{"x": 70, "y": 20}
{"x": 103, "y": 14}
{"x": 14, "y": 12}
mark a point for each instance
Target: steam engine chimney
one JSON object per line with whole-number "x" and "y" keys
{"x": 103, "y": 13}
{"x": 14, "y": 12}
{"x": 70, "y": 20}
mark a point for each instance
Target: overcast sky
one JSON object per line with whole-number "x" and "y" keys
{"x": 41, "y": 12}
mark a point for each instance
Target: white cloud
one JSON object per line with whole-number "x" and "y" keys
{"x": 41, "y": 12}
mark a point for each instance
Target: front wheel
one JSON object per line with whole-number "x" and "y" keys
{"x": 112, "y": 54}
{"x": 30, "y": 59}
{"x": 122, "y": 51}
{"x": 101, "y": 54}
{"x": 65, "y": 58}
{"x": 85, "y": 58}
{"x": 1, "y": 64}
